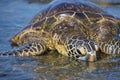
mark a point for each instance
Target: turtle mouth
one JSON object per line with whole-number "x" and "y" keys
{"x": 90, "y": 56}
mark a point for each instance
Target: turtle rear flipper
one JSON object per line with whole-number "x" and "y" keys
{"x": 82, "y": 48}
{"x": 31, "y": 49}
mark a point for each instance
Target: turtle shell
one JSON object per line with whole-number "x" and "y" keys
{"x": 60, "y": 6}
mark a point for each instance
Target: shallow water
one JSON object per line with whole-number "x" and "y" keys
{"x": 15, "y": 15}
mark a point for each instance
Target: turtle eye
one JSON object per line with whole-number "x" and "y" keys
{"x": 78, "y": 51}
{"x": 82, "y": 51}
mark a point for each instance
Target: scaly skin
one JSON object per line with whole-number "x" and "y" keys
{"x": 73, "y": 29}
{"x": 31, "y": 49}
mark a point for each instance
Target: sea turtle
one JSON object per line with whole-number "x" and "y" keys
{"x": 75, "y": 28}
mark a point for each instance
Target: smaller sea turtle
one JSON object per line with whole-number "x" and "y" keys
{"x": 77, "y": 29}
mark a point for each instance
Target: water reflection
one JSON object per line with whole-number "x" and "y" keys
{"x": 55, "y": 66}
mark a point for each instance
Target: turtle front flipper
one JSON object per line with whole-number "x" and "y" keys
{"x": 31, "y": 49}
{"x": 82, "y": 48}
{"x": 111, "y": 47}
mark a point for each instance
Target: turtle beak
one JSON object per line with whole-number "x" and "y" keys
{"x": 90, "y": 56}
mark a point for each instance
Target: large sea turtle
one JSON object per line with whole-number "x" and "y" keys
{"x": 74, "y": 28}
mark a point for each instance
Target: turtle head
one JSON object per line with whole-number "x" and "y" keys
{"x": 27, "y": 35}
